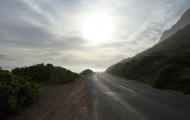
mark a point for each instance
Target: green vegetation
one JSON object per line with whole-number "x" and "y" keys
{"x": 86, "y": 72}
{"x": 20, "y": 88}
{"x": 16, "y": 93}
{"x": 116, "y": 69}
{"x": 164, "y": 66}
{"x": 166, "y": 75}
{"x": 46, "y": 73}
{"x": 185, "y": 84}
{"x": 163, "y": 72}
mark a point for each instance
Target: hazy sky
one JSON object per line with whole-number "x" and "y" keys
{"x": 59, "y": 31}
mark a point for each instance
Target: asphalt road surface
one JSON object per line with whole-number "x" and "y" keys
{"x": 113, "y": 98}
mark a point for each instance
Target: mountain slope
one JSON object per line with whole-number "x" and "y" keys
{"x": 184, "y": 20}
{"x": 165, "y": 65}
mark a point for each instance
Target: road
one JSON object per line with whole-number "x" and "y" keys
{"x": 113, "y": 98}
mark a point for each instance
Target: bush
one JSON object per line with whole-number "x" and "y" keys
{"x": 87, "y": 72}
{"x": 164, "y": 75}
{"x": 46, "y": 73}
{"x": 16, "y": 93}
{"x": 185, "y": 84}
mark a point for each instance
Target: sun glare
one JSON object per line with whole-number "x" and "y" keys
{"x": 97, "y": 27}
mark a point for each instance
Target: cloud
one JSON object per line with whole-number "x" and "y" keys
{"x": 4, "y": 57}
{"x": 49, "y": 31}
{"x": 14, "y": 29}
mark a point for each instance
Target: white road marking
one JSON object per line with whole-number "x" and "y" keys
{"x": 127, "y": 88}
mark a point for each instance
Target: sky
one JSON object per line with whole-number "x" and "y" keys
{"x": 81, "y": 34}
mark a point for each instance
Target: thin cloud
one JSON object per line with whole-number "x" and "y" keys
{"x": 50, "y": 31}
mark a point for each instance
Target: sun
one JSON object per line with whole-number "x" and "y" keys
{"x": 97, "y": 27}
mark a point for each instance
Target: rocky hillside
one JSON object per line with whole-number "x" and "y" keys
{"x": 165, "y": 65}
{"x": 184, "y": 20}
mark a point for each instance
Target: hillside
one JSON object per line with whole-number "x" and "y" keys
{"x": 165, "y": 65}
{"x": 184, "y": 20}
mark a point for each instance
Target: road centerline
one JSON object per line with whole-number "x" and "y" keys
{"x": 127, "y": 88}
{"x": 108, "y": 79}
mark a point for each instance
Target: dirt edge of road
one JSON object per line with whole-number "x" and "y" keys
{"x": 60, "y": 102}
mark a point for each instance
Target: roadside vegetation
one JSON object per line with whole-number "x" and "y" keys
{"x": 42, "y": 73}
{"x": 86, "y": 72}
{"x": 174, "y": 73}
{"x": 22, "y": 87}
{"x": 166, "y": 75}
{"x": 16, "y": 93}
{"x": 164, "y": 66}
{"x": 159, "y": 71}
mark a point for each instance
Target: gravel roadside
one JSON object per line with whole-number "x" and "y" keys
{"x": 61, "y": 102}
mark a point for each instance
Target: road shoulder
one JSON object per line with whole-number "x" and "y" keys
{"x": 60, "y": 102}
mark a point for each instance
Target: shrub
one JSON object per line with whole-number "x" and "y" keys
{"x": 164, "y": 75}
{"x": 46, "y": 73}
{"x": 87, "y": 72}
{"x": 185, "y": 83}
{"x": 16, "y": 93}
